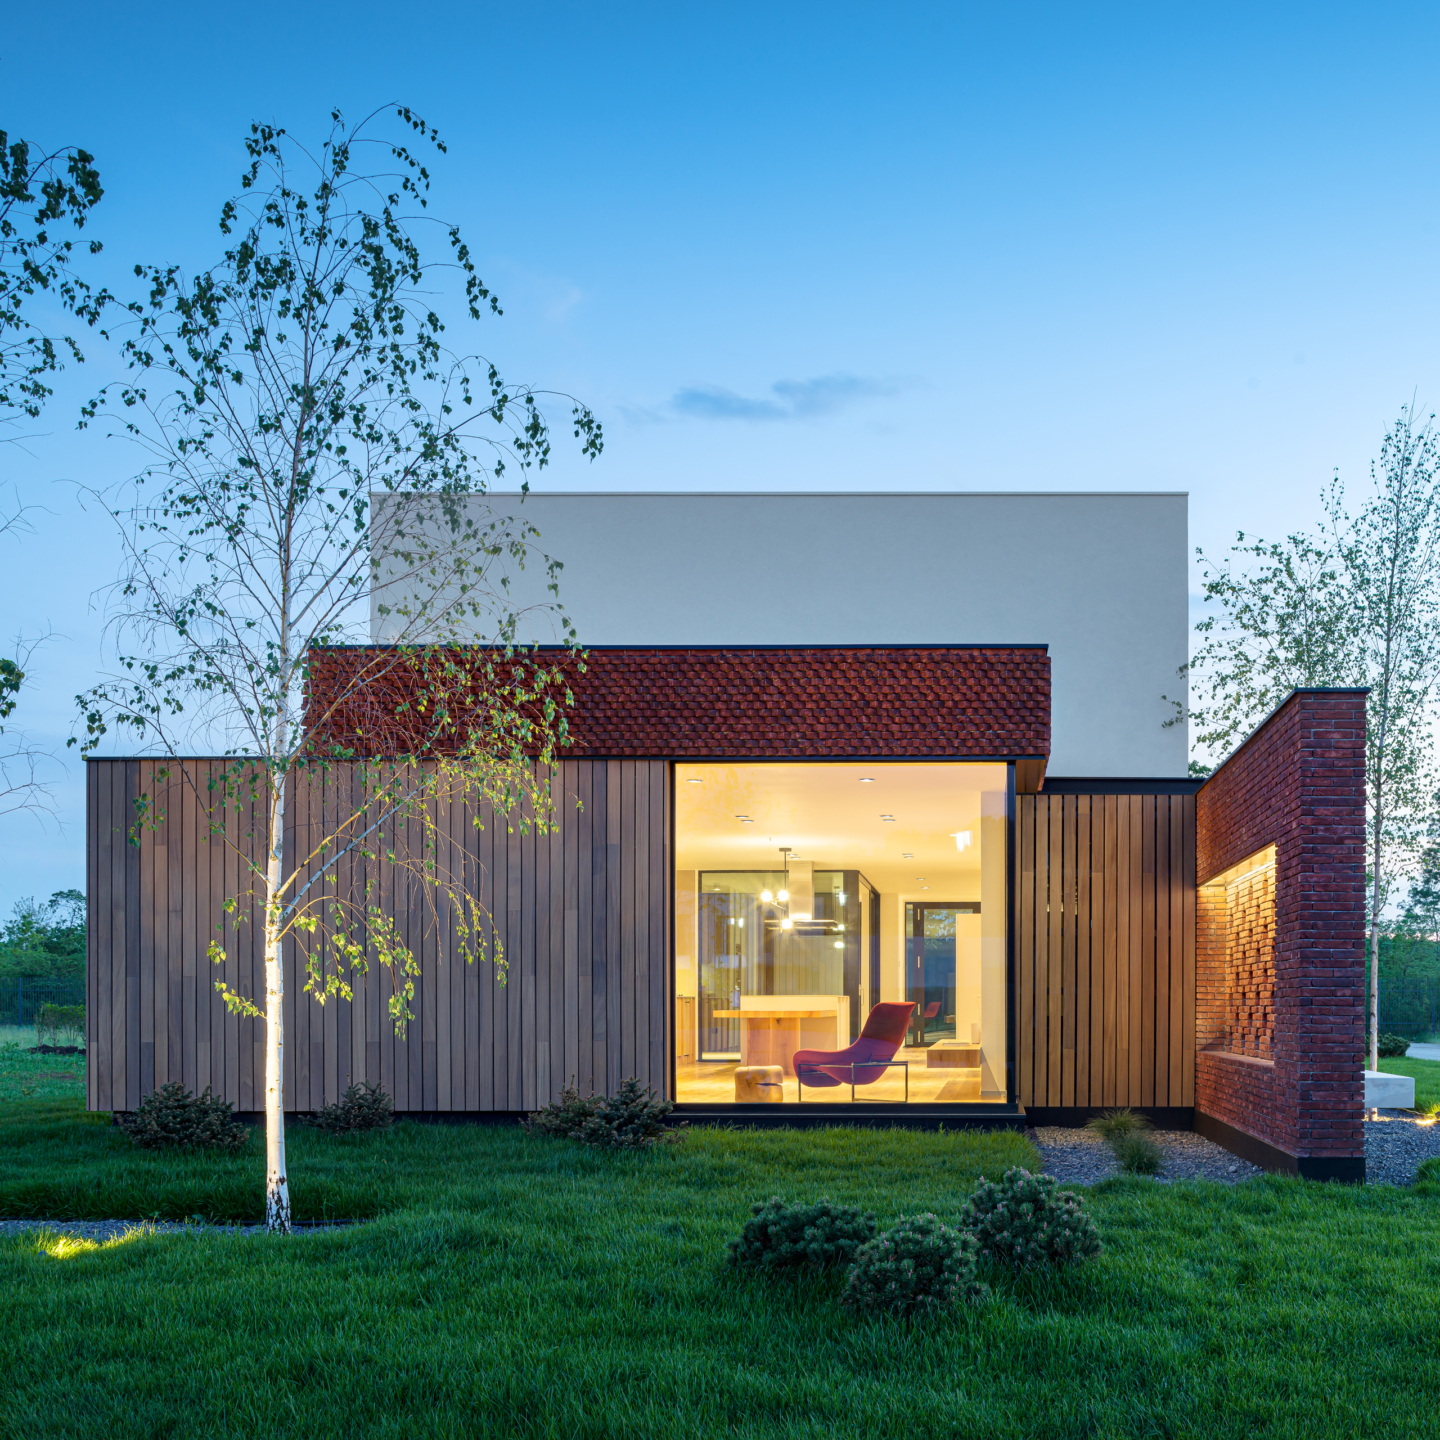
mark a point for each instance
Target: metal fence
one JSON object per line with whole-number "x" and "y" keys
{"x": 1411, "y": 1007}
{"x": 21, "y": 999}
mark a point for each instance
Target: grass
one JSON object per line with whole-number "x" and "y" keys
{"x": 515, "y": 1286}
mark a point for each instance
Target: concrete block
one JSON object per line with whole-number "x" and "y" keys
{"x": 1388, "y": 1092}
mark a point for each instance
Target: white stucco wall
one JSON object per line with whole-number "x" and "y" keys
{"x": 1099, "y": 578}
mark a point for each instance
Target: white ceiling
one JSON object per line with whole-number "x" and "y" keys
{"x": 827, "y": 814}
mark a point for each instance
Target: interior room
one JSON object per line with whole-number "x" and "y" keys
{"x": 840, "y": 933}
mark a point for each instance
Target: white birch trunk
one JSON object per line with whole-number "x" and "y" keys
{"x": 277, "y": 1184}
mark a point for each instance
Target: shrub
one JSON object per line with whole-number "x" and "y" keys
{"x": 361, "y": 1107}
{"x": 1114, "y": 1124}
{"x": 1392, "y": 1047}
{"x": 1027, "y": 1221}
{"x": 917, "y": 1267}
{"x": 173, "y": 1116}
{"x": 1138, "y": 1154}
{"x": 781, "y": 1234}
{"x": 629, "y": 1119}
{"x": 58, "y": 1025}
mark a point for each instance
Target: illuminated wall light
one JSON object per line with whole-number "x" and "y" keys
{"x": 783, "y": 896}
{"x": 839, "y": 944}
{"x": 766, "y": 898}
{"x": 787, "y": 923}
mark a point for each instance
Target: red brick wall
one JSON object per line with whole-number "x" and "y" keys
{"x": 1298, "y": 783}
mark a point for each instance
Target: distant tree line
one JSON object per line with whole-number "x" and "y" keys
{"x": 45, "y": 940}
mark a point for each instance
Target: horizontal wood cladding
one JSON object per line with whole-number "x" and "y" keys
{"x": 1105, "y": 950}
{"x": 580, "y": 911}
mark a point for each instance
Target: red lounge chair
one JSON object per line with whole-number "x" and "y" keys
{"x": 866, "y": 1060}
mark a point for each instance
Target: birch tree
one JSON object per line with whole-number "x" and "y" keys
{"x": 278, "y": 395}
{"x": 1390, "y": 552}
{"x": 44, "y": 196}
{"x": 1355, "y": 601}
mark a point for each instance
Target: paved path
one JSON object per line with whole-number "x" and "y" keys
{"x": 1423, "y": 1052}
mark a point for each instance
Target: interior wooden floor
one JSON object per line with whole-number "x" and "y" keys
{"x": 713, "y": 1083}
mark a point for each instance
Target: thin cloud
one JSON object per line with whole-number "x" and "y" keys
{"x": 792, "y": 399}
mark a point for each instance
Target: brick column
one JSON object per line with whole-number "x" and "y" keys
{"x": 1297, "y": 783}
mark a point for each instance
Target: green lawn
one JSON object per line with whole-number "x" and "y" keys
{"x": 1426, "y": 1074}
{"x": 522, "y": 1287}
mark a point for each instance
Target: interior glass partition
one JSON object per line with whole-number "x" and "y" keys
{"x": 840, "y": 933}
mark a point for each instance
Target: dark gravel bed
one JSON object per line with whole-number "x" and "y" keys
{"x": 1396, "y": 1145}
{"x": 1080, "y": 1157}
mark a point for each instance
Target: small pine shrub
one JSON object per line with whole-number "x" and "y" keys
{"x": 918, "y": 1267}
{"x": 1028, "y": 1222}
{"x": 172, "y": 1116}
{"x": 1114, "y": 1124}
{"x": 361, "y": 1107}
{"x": 1138, "y": 1154}
{"x": 1392, "y": 1047}
{"x": 781, "y": 1234}
{"x": 630, "y": 1119}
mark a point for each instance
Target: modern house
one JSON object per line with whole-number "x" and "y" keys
{"x": 869, "y": 813}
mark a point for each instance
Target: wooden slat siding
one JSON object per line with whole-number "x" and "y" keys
{"x": 1162, "y": 951}
{"x": 638, "y": 859}
{"x": 614, "y": 895}
{"x": 1182, "y": 944}
{"x": 1023, "y": 903}
{"x": 1054, "y": 980}
{"x": 1110, "y": 880}
{"x": 568, "y": 901}
{"x": 1188, "y": 984}
{"x": 583, "y": 913}
{"x": 1083, "y": 989}
{"x": 1122, "y": 946}
{"x": 1068, "y": 939}
{"x": 1109, "y": 1030}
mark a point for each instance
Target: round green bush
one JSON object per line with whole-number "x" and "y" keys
{"x": 820, "y": 1234}
{"x": 1028, "y": 1222}
{"x": 918, "y": 1267}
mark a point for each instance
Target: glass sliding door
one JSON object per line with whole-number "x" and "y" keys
{"x": 806, "y": 930}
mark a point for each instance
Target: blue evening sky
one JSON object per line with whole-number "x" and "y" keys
{"x": 809, "y": 246}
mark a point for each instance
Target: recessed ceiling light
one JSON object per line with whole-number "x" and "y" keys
{"x": 891, "y": 818}
{"x": 919, "y": 878}
{"x": 694, "y": 780}
{"x": 908, "y": 855}
{"x": 924, "y": 887}
{"x": 867, "y": 779}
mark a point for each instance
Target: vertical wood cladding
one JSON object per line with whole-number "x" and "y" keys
{"x": 581, "y": 913}
{"x": 1105, "y": 950}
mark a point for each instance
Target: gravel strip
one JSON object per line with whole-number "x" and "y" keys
{"x": 1395, "y": 1146}
{"x": 1081, "y": 1157}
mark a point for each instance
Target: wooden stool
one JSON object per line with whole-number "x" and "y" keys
{"x": 759, "y": 1085}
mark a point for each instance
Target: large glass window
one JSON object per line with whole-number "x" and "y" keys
{"x": 840, "y": 933}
